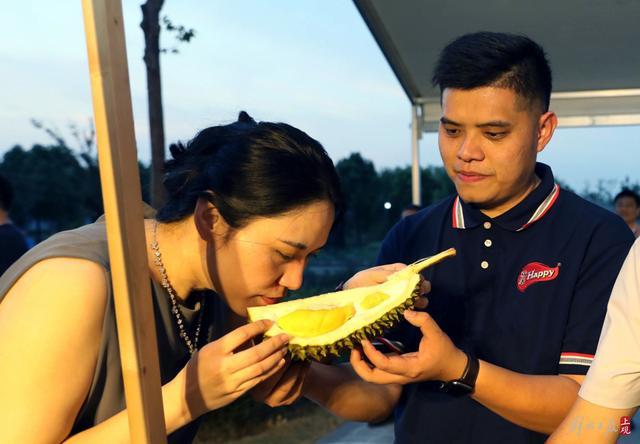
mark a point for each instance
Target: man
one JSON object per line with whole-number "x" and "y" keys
{"x": 627, "y": 206}
{"x": 12, "y": 242}
{"x": 513, "y": 321}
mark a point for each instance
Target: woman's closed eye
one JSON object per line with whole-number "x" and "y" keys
{"x": 286, "y": 257}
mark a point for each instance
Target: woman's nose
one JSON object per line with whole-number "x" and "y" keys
{"x": 292, "y": 276}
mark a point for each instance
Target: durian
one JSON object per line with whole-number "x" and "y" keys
{"x": 330, "y": 323}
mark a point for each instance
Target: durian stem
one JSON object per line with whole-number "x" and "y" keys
{"x": 421, "y": 264}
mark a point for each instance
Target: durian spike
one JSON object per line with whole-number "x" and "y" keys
{"x": 421, "y": 264}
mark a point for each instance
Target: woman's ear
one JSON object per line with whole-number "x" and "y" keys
{"x": 207, "y": 219}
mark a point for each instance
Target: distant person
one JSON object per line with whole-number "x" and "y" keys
{"x": 13, "y": 243}
{"x": 409, "y": 210}
{"x": 627, "y": 206}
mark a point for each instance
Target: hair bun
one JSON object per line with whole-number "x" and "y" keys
{"x": 177, "y": 150}
{"x": 244, "y": 117}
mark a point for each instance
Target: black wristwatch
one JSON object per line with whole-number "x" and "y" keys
{"x": 467, "y": 383}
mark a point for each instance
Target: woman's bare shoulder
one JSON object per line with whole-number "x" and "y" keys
{"x": 50, "y": 329}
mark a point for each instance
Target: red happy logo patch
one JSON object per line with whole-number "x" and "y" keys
{"x": 536, "y": 272}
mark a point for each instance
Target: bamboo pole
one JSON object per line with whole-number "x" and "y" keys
{"x": 122, "y": 199}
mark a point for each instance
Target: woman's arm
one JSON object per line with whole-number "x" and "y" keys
{"x": 590, "y": 423}
{"x": 50, "y": 328}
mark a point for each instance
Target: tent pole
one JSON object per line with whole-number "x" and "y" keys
{"x": 122, "y": 198}
{"x": 415, "y": 155}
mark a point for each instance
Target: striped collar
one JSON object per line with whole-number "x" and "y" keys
{"x": 533, "y": 208}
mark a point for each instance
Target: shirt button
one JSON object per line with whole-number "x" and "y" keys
{"x": 484, "y": 265}
{"x": 487, "y": 225}
{"x": 488, "y": 243}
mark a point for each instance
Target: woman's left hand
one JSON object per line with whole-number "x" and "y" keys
{"x": 285, "y": 386}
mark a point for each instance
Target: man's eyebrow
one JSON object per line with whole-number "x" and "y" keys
{"x": 298, "y": 245}
{"x": 446, "y": 121}
{"x": 495, "y": 123}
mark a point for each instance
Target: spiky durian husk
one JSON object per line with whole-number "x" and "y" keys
{"x": 388, "y": 320}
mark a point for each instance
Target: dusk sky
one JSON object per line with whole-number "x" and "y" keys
{"x": 312, "y": 64}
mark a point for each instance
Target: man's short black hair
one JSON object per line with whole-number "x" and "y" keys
{"x": 626, "y": 192}
{"x": 496, "y": 59}
{"x": 6, "y": 194}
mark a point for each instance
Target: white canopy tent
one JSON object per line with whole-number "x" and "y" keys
{"x": 593, "y": 47}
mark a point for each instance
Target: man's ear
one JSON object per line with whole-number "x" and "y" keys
{"x": 546, "y": 126}
{"x": 207, "y": 218}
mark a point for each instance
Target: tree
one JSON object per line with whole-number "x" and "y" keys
{"x": 151, "y": 27}
{"x": 49, "y": 185}
{"x": 85, "y": 138}
{"x": 57, "y": 187}
{"x": 359, "y": 181}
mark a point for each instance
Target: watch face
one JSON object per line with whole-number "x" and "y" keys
{"x": 456, "y": 388}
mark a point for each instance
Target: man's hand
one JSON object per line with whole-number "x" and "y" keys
{"x": 437, "y": 357}
{"x": 378, "y": 275}
{"x": 284, "y": 387}
{"x": 372, "y": 276}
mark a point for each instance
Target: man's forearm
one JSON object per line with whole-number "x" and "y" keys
{"x": 339, "y": 390}
{"x": 536, "y": 402}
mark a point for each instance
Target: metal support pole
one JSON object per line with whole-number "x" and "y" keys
{"x": 122, "y": 197}
{"x": 415, "y": 154}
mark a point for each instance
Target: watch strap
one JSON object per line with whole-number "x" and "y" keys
{"x": 471, "y": 371}
{"x": 466, "y": 384}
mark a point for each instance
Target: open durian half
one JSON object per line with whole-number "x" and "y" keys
{"x": 330, "y": 323}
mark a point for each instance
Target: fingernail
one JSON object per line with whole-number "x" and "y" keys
{"x": 409, "y": 313}
{"x": 284, "y": 337}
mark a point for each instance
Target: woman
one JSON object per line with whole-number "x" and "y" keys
{"x": 248, "y": 204}
{"x": 610, "y": 394}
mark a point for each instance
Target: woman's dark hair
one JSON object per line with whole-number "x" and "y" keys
{"x": 247, "y": 170}
{"x": 497, "y": 59}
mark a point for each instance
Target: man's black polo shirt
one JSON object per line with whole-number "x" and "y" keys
{"x": 527, "y": 291}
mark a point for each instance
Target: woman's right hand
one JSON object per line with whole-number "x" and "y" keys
{"x": 217, "y": 375}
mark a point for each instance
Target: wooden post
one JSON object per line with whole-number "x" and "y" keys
{"x": 122, "y": 198}
{"x": 416, "y": 190}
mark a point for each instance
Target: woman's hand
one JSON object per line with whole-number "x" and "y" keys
{"x": 285, "y": 386}
{"x": 217, "y": 375}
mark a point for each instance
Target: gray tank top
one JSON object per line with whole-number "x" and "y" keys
{"x": 106, "y": 395}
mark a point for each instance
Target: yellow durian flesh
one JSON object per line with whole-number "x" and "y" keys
{"x": 326, "y": 325}
{"x": 310, "y": 322}
{"x": 373, "y": 299}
